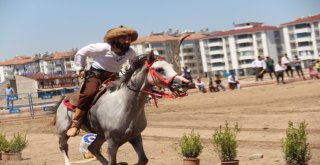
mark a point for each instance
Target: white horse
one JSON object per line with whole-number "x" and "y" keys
{"x": 118, "y": 116}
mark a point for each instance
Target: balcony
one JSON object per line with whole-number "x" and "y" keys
{"x": 304, "y": 39}
{"x": 214, "y": 68}
{"x": 244, "y": 40}
{"x": 246, "y": 66}
{"x": 215, "y": 44}
{"x": 217, "y": 60}
{"x": 303, "y": 30}
{"x": 248, "y": 48}
{"x": 304, "y": 48}
{"x": 216, "y": 51}
{"x": 246, "y": 57}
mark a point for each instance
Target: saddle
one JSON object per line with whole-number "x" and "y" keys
{"x": 71, "y": 100}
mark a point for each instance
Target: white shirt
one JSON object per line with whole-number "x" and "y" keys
{"x": 285, "y": 60}
{"x": 278, "y": 68}
{"x": 9, "y": 91}
{"x": 231, "y": 80}
{"x": 103, "y": 57}
{"x": 259, "y": 64}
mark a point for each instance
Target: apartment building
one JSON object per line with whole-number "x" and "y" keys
{"x": 54, "y": 63}
{"x": 302, "y": 38}
{"x": 236, "y": 49}
{"x": 190, "y": 54}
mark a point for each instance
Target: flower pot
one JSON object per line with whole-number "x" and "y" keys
{"x": 5, "y": 156}
{"x": 234, "y": 162}
{"x": 191, "y": 161}
{"x": 15, "y": 156}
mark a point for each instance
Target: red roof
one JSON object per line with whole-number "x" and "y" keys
{"x": 244, "y": 30}
{"x": 18, "y": 60}
{"x": 155, "y": 38}
{"x": 304, "y": 20}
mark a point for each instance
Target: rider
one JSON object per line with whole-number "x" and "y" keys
{"x": 108, "y": 58}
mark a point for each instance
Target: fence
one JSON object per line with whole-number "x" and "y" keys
{"x": 31, "y": 104}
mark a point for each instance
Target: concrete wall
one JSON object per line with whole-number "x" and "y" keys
{"x": 26, "y": 85}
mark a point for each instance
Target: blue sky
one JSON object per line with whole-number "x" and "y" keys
{"x": 36, "y": 26}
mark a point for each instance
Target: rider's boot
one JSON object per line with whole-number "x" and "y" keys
{"x": 76, "y": 122}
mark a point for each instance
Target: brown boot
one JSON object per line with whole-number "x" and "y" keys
{"x": 76, "y": 123}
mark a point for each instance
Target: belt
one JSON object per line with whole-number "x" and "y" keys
{"x": 100, "y": 72}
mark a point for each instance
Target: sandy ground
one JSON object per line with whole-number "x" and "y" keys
{"x": 262, "y": 112}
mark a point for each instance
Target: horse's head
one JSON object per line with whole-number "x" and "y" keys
{"x": 162, "y": 74}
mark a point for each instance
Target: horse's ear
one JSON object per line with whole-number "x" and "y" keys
{"x": 151, "y": 57}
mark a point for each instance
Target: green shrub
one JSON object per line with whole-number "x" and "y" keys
{"x": 224, "y": 141}
{"x": 191, "y": 145}
{"x": 18, "y": 143}
{"x": 4, "y": 143}
{"x": 294, "y": 146}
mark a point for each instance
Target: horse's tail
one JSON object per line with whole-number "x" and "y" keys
{"x": 54, "y": 119}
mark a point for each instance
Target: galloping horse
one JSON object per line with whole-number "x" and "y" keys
{"x": 118, "y": 116}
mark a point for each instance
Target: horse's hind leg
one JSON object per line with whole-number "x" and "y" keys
{"x": 64, "y": 147}
{"x": 95, "y": 147}
{"x": 138, "y": 147}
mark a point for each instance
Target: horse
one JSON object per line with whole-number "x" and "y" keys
{"x": 118, "y": 116}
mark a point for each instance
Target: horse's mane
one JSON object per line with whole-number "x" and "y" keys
{"x": 137, "y": 64}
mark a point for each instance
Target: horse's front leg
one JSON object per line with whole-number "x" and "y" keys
{"x": 112, "y": 149}
{"x": 138, "y": 147}
{"x": 95, "y": 147}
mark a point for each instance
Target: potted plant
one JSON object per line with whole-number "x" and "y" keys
{"x": 12, "y": 149}
{"x": 295, "y": 146}
{"x": 225, "y": 144}
{"x": 4, "y": 147}
{"x": 191, "y": 147}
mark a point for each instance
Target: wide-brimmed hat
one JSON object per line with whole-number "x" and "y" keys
{"x": 114, "y": 33}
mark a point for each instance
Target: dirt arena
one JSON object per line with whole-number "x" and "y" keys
{"x": 262, "y": 112}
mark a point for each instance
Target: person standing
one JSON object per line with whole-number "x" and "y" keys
{"x": 297, "y": 65}
{"x": 285, "y": 61}
{"x": 260, "y": 67}
{"x": 279, "y": 72}
{"x": 9, "y": 91}
{"x": 270, "y": 66}
{"x": 108, "y": 58}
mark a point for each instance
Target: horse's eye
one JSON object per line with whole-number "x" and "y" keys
{"x": 159, "y": 70}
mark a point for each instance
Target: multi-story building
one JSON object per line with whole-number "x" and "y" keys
{"x": 302, "y": 38}
{"x": 55, "y": 63}
{"x": 190, "y": 54}
{"x": 162, "y": 43}
{"x": 236, "y": 49}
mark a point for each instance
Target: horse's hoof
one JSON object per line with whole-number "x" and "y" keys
{"x": 122, "y": 163}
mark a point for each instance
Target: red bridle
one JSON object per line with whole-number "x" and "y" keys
{"x": 167, "y": 82}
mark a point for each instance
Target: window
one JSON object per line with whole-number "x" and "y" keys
{"x": 246, "y": 53}
{"x": 218, "y": 56}
{"x": 188, "y": 50}
{"x": 307, "y": 43}
{"x": 301, "y": 35}
{"x": 244, "y": 36}
{"x": 213, "y": 48}
{"x": 218, "y": 64}
{"x": 301, "y": 26}
{"x": 157, "y": 45}
{"x": 248, "y": 61}
{"x": 190, "y": 42}
{"x": 241, "y": 45}
{"x": 211, "y": 40}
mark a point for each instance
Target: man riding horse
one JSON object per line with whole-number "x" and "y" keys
{"x": 108, "y": 58}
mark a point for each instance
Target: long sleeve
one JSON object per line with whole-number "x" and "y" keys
{"x": 80, "y": 59}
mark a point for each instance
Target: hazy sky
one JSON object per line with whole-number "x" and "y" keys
{"x": 36, "y": 26}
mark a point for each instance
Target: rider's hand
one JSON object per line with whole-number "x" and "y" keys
{"x": 81, "y": 74}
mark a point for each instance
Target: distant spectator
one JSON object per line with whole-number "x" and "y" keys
{"x": 285, "y": 61}
{"x": 218, "y": 83}
{"x": 233, "y": 81}
{"x": 270, "y": 66}
{"x": 313, "y": 72}
{"x": 9, "y": 93}
{"x": 279, "y": 72}
{"x": 317, "y": 65}
{"x": 186, "y": 73}
{"x": 200, "y": 85}
{"x": 297, "y": 65}
{"x": 260, "y": 67}
{"x": 210, "y": 85}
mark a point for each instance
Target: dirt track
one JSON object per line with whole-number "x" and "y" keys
{"x": 262, "y": 112}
